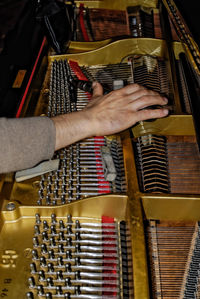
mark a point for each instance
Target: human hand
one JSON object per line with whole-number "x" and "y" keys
{"x": 108, "y": 114}
{"x": 122, "y": 108}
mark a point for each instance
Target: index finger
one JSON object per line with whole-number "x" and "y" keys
{"x": 131, "y": 88}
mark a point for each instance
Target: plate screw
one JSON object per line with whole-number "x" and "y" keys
{"x": 10, "y": 206}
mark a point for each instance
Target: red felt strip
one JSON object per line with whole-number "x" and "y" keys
{"x": 82, "y": 24}
{"x": 77, "y": 70}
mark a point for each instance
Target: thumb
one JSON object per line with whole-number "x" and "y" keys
{"x": 97, "y": 89}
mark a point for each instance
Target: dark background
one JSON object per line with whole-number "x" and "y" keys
{"x": 190, "y": 9}
{"x": 20, "y": 41}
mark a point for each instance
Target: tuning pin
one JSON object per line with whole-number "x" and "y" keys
{"x": 48, "y": 199}
{"x": 61, "y": 236}
{"x": 31, "y": 281}
{"x": 69, "y": 229}
{"x": 41, "y": 193}
{"x": 39, "y": 202}
{"x": 77, "y": 275}
{"x": 77, "y": 290}
{"x": 50, "y": 267}
{"x": 60, "y": 261}
{"x": 35, "y": 242}
{"x": 55, "y": 193}
{"x": 36, "y": 229}
{"x": 69, "y": 195}
{"x": 45, "y": 225}
{"x": 69, "y": 254}
{"x": 34, "y": 254}
{"x": 42, "y": 184}
{"x": 64, "y": 172}
{"x": 78, "y": 191}
{"x": 33, "y": 268}
{"x": 53, "y": 219}
{"x": 51, "y": 254}
{"x": 50, "y": 282}
{"x": 61, "y": 225}
{"x": 52, "y": 242}
{"x": 41, "y": 275}
{"x": 77, "y": 226}
{"x": 45, "y": 236}
{"x": 59, "y": 275}
{"x": 56, "y": 173}
{"x": 60, "y": 248}
{"x": 69, "y": 219}
{"x": 64, "y": 190}
{"x": 77, "y": 195}
{"x": 37, "y": 219}
{"x": 56, "y": 184}
{"x": 68, "y": 268}
{"x": 59, "y": 290}
{"x": 49, "y": 189}
{"x": 77, "y": 261}
{"x": 63, "y": 199}
{"x": 78, "y": 248}
{"x": 44, "y": 248}
{"x": 43, "y": 262}
{"x": 54, "y": 202}
{"x": 40, "y": 290}
{"x": 68, "y": 282}
{"x": 67, "y": 296}
{"x": 29, "y": 295}
{"x": 77, "y": 236}
{"x": 53, "y": 230}
{"x": 69, "y": 242}
{"x": 48, "y": 296}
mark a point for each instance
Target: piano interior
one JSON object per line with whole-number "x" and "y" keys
{"x": 119, "y": 217}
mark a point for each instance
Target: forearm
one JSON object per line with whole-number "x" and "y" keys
{"x": 25, "y": 142}
{"x": 71, "y": 128}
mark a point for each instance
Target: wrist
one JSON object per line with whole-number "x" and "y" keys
{"x": 71, "y": 128}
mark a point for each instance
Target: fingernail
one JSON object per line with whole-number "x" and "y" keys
{"x": 165, "y": 111}
{"x": 166, "y": 100}
{"x": 94, "y": 84}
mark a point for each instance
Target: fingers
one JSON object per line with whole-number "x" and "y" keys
{"x": 127, "y": 90}
{"x": 97, "y": 89}
{"x": 131, "y": 98}
{"x": 131, "y": 88}
{"x": 138, "y": 97}
{"x": 130, "y": 93}
{"x": 147, "y": 100}
{"x": 150, "y": 114}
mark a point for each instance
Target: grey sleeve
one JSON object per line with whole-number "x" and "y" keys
{"x": 24, "y": 142}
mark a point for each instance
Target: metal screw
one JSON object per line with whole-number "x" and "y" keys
{"x": 10, "y": 206}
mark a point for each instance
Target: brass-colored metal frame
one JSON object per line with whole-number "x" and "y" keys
{"x": 132, "y": 207}
{"x": 116, "y": 4}
{"x": 16, "y": 232}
